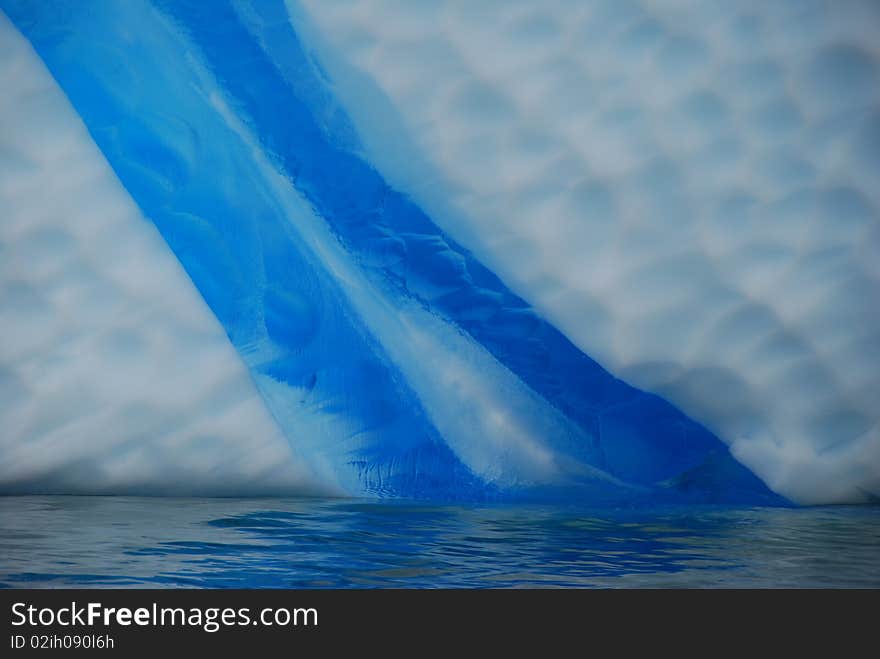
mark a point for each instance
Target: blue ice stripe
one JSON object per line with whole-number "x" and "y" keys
{"x": 638, "y": 436}
{"x": 184, "y": 169}
{"x": 193, "y": 177}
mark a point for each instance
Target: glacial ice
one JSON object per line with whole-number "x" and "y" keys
{"x": 456, "y": 250}
{"x": 115, "y": 377}
{"x": 688, "y": 190}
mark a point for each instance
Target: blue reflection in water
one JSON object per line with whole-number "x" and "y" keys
{"x": 254, "y": 543}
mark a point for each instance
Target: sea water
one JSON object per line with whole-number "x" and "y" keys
{"x": 127, "y": 542}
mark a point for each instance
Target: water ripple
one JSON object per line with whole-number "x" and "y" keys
{"x": 98, "y": 542}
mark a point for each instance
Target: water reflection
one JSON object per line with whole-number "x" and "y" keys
{"x": 148, "y": 542}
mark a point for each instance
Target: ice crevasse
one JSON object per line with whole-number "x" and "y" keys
{"x": 607, "y": 251}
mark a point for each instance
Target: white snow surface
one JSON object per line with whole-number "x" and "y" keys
{"x": 688, "y": 190}
{"x": 115, "y": 377}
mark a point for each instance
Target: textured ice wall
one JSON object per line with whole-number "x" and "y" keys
{"x": 114, "y": 374}
{"x": 514, "y": 400}
{"x": 688, "y": 190}
{"x": 394, "y": 362}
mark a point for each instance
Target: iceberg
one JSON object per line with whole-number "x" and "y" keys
{"x": 115, "y": 377}
{"x": 441, "y": 250}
